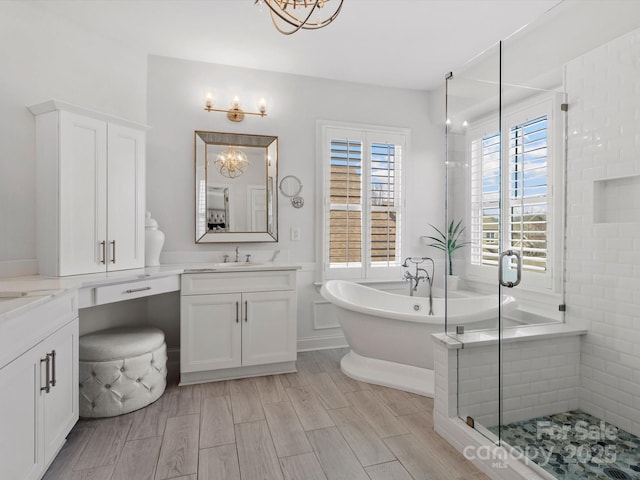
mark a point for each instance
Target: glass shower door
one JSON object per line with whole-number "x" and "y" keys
{"x": 539, "y": 378}
{"x": 474, "y": 222}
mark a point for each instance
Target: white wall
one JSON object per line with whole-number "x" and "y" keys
{"x": 51, "y": 57}
{"x": 176, "y": 94}
{"x": 43, "y": 57}
{"x": 175, "y": 109}
{"x": 603, "y": 257}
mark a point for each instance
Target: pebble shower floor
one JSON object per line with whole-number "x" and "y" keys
{"x": 576, "y": 445}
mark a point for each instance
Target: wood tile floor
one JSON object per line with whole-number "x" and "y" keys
{"x": 314, "y": 424}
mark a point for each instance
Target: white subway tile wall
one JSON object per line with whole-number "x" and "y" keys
{"x": 446, "y": 383}
{"x": 540, "y": 377}
{"x": 603, "y": 257}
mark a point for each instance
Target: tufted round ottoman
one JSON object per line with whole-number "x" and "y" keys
{"x": 121, "y": 370}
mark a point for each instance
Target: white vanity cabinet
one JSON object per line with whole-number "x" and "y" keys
{"x": 38, "y": 387}
{"x": 90, "y": 177}
{"x": 237, "y": 324}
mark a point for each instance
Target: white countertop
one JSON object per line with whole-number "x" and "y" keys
{"x": 40, "y": 289}
{"x": 14, "y": 306}
{"x": 523, "y": 333}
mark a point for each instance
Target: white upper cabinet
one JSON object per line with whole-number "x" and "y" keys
{"x": 90, "y": 190}
{"x": 126, "y": 197}
{"x": 81, "y": 192}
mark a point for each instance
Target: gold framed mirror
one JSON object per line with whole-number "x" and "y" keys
{"x": 235, "y": 180}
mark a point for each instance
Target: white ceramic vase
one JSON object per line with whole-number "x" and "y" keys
{"x": 453, "y": 282}
{"x": 153, "y": 241}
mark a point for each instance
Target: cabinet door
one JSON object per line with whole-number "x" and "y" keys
{"x": 82, "y": 194}
{"x": 20, "y": 418}
{"x": 268, "y": 327}
{"x": 61, "y": 403}
{"x": 210, "y": 332}
{"x": 126, "y": 197}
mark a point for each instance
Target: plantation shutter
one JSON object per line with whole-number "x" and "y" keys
{"x": 345, "y": 214}
{"x": 525, "y": 194}
{"x": 485, "y": 200}
{"x": 528, "y": 188}
{"x": 385, "y": 202}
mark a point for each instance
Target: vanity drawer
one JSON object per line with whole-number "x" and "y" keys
{"x": 137, "y": 289}
{"x": 230, "y": 282}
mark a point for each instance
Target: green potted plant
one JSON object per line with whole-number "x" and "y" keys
{"x": 448, "y": 243}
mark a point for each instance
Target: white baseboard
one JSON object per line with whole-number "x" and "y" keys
{"x": 322, "y": 343}
{"x": 192, "y": 378}
{"x": 18, "y": 268}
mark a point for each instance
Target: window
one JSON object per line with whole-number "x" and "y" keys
{"x": 522, "y": 193}
{"x": 362, "y": 208}
{"x": 528, "y": 188}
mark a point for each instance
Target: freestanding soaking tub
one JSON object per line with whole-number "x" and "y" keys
{"x": 390, "y": 334}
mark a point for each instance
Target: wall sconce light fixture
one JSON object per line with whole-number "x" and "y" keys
{"x": 235, "y": 113}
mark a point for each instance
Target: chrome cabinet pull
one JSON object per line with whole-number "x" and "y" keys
{"x": 47, "y": 381}
{"x": 246, "y": 311}
{"x": 113, "y": 251}
{"x": 501, "y": 267}
{"x": 53, "y": 368}
{"x": 237, "y": 312}
{"x": 134, "y": 290}
{"x": 103, "y": 244}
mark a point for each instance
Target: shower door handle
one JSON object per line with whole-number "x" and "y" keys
{"x": 502, "y": 266}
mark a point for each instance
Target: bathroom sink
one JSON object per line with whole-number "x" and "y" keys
{"x": 216, "y": 266}
{"x": 237, "y": 264}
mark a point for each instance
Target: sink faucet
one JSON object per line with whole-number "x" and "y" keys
{"x": 237, "y": 254}
{"x": 414, "y": 279}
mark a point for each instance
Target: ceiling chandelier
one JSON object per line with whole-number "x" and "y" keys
{"x": 231, "y": 162}
{"x": 289, "y": 16}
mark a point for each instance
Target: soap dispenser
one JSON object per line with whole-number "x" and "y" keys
{"x": 153, "y": 241}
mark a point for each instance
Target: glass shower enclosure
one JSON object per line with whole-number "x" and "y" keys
{"x": 505, "y": 160}
{"x": 515, "y": 116}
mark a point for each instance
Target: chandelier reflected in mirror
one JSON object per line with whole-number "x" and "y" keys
{"x": 289, "y": 16}
{"x": 231, "y": 162}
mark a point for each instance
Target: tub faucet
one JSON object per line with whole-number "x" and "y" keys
{"x": 414, "y": 279}
{"x": 237, "y": 254}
